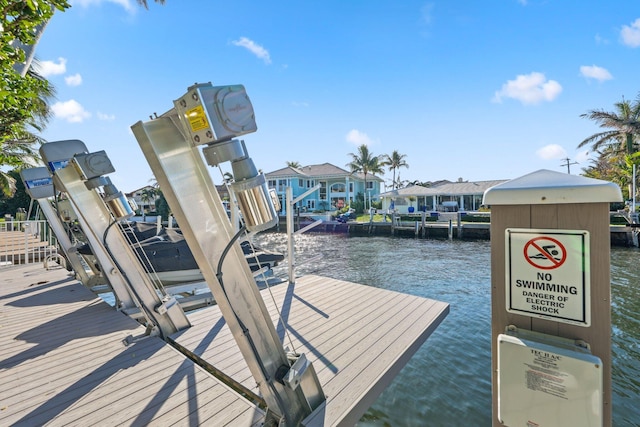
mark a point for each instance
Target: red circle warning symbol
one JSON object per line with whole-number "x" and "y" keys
{"x": 545, "y": 253}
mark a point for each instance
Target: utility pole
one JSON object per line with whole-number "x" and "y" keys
{"x": 568, "y": 164}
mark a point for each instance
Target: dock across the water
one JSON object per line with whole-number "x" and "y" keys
{"x": 64, "y": 358}
{"x": 621, "y": 235}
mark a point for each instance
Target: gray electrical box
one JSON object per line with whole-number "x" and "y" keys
{"x": 212, "y": 114}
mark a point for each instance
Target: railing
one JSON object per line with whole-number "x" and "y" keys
{"x": 25, "y": 242}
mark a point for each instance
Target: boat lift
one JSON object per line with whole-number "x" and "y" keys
{"x": 100, "y": 207}
{"x": 214, "y": 117}
{"x": 39, "y": 186}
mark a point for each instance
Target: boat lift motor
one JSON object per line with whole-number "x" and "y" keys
{"x": 81, "y": 175}
{"x": 212, "y": 117}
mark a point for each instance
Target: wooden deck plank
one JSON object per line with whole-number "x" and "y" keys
{"x": 358, "y": 338}
{"x": 65, "y": 363}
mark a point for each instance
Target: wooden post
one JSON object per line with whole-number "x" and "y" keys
{"x": 548, "y": 200}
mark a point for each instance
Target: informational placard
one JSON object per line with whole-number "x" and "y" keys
{"x": 547, "y": 274}
{"x": 545, "y": 385}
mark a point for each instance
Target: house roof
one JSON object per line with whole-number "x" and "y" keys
{"x": 324, "y": 170}
{"x": 445, "y": 189}
{"x": 131, "y": 193}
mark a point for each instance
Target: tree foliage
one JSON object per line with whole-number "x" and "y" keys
{"x": 19, "y": 95}
{"x": 623, "y": 127}
{"x": 394, "y": 162}
{"x": 24, "y": 94}
{"x": 365, "y": 162}
{"x": 618, "y": 146}
{"x": 20, "y": 199}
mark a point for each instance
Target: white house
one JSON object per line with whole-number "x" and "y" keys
{"x": 448, "y": 196}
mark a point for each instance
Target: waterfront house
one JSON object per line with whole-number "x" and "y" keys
{"x": 145, "y": 198}
{"x": 338, "y": 187}
{"x": 447, "y": 196}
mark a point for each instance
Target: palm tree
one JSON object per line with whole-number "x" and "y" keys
{"x": 623, "y": 125}
{"x": 17, "y": 141}
{"x": 394, "y": 161}
{"x": 364, "y": 161}
{"x": 295, "y": 165}
{"x": 147, "y": 195}
{"x": 623, "y": 136}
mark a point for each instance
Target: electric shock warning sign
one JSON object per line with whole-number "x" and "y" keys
{"x": 547, "y": 274}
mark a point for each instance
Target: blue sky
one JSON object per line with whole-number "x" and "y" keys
{"x": 465, "y": 89}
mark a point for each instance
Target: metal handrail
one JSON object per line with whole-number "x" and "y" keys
{"x": 26, "y": 242}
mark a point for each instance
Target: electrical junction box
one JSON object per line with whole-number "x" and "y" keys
{"x": 547, "y": 384}
{"x": 213, "y": 114}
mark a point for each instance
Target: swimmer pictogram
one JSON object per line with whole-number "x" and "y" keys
{"x": 545, "y": 253}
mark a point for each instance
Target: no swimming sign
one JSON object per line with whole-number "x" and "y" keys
{"x": 547, "y": 274}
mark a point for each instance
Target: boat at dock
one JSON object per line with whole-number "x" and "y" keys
{"x": 164, "y": 252}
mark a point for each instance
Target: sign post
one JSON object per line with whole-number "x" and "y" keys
{"x": 550, "y": 299}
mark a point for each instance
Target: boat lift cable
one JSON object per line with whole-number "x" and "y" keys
{"x": 245, "y": 330}
{"x": 142, "y": 257}
{"x": 137, "y": 298}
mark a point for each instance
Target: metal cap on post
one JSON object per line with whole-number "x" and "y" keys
{"x": 550, "y": 299}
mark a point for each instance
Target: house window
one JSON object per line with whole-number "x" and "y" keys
{"x": 323, "y": 190}
{"x": 282, "y": 184}
{"x": 301, "y": 183}
{"x": 311, "y": 204}
{"x": 310, "y": 183}
{"x": 338, "y": 187}
{"x": 271, "y": 183}
{"x": 351, "y": 187}
{"x": 369, "y": 185}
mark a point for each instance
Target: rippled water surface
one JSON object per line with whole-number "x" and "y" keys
{"x": 448, "y": 381}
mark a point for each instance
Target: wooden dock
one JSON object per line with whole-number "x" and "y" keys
{"x": 63, "y": 360}
{"x": 358, "y": 338}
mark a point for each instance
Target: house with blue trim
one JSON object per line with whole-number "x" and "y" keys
{"x": 338, "y": 187}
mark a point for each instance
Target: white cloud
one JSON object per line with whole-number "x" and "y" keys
{"x": 551, "y": 151}
{"x": 126, "y": 4}
{"x": 254, "y": 48}
{"x": 104, "y": 116}
{"x": 529, "y": 89}
{"x": 73, "y": 80}
{"x": 631, "y": 34}
{"x": 70, "y": 111}
{"x": 356, "y": 137}
{"x": 51, "y": 68}
{"x": 595, "y": 72}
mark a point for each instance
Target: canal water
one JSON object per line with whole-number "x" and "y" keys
{"x": 448, "y": 381}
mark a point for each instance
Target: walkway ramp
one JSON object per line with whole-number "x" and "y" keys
{"x": 358, "y": 338}
{"x": 63, "y": 362}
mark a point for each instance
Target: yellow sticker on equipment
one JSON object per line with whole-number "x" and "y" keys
{"x": 197, "y": 119}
